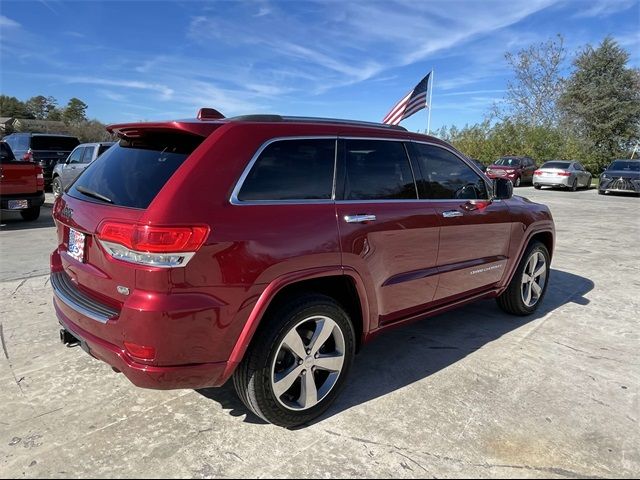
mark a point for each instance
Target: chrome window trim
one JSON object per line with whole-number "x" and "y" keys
{"x": 234, "y": 200}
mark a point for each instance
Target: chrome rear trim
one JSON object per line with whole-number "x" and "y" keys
{"x": 69, "y": 294}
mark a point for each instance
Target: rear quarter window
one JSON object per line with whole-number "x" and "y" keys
{"x": 133, "y": 172}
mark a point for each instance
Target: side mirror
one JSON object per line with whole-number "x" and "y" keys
{"x": 502, "y": 188}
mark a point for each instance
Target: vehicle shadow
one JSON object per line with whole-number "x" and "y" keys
{"x": 10, "y": 221}
{"x": 405, "y": 355}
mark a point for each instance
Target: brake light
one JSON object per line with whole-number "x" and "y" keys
{"x": 39, "y": 178}
{"x": 538, "y": 172}
{"x": 140, "y": 351}
{"x": 151, "y": 245}
{"x": 564, "y": 174}
{"x": 28, "y": 156}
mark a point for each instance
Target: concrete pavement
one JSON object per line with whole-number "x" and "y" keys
{"x": 471, "y": 393}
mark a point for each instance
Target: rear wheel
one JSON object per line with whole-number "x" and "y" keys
{"x": 537, "y": 187}
{"x": 574, "y": 185}
{"x": 298, "y": 364}
{"x": 529, "y": 282}
{"x": 56, "y": 186}
{"x": 30, "y": 214}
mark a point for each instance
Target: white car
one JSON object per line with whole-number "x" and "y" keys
{"x": 561, "y": 173}
{"x": 64, "y": 173}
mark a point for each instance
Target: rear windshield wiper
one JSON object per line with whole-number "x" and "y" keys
{"x": 93, "y": 194}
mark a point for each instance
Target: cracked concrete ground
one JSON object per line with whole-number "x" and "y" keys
{"x": 472, "y": 393}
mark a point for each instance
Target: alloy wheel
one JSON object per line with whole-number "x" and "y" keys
{"x": 534, "y": 278}
{"x": 308, "y": 363}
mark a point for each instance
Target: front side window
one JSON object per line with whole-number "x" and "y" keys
{"x": 76, "y": 155}
{"x": 446, "y": 176}
{"x": 300, "y": 169}
{"x": 378, "y": 170}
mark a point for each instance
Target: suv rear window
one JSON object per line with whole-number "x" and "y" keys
{"x": 133, "y": 172}
{"x": 44, "y": 142}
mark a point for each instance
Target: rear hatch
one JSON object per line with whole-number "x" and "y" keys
{"x": 117, "y": 188}
{"x": 17, "y": 177}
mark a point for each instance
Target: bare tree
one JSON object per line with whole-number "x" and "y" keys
{"x": 533, "y": 94}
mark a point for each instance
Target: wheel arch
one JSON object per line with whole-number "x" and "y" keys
{"x": 343, "y": 285}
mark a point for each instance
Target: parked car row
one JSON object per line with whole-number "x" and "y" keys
{"x": 621, "y": 176}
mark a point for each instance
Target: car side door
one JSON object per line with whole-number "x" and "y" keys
{"x": 387, "y": 234}
{"x": 71, "y": 165}
{"x": 475, "y": 230}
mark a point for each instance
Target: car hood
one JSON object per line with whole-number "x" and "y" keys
{"x": 622, "y": 173}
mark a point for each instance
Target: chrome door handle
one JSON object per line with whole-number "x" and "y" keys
{"x": 452, "y": 214}
{"x": 359, "y": 218}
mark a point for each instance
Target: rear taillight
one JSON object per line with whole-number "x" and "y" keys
{"x": 564, "y": 174}
{"x": 150, "y": 245}
{"x": 538, "y": 172}
{"x": 39, "y": 178}
{"x": 28, "y": 156}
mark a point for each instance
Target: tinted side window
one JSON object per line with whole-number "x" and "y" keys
{"x": 377, "y": 170}
{"x": 18, "y": 143}
{"x": 292, "y": 170}
{"x": 88, "y": 154}
{"x": 76, "y": 155}
{"x": 445, "y": 176}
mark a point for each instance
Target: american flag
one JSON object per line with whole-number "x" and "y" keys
{"x": 412, "y": 102}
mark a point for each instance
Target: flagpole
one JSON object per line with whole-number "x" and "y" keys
{"x": 429, "y": 106}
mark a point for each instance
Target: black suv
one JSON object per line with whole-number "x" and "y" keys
{"x": 45, "y": 149}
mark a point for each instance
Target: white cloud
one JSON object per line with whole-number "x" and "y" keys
{"x": 602, "y": 8}
{"x": 6, "y": 22}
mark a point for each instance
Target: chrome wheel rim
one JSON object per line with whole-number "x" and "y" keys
{"x": 518, "y": 182}
{"x": 308, "y": 363}
{"x": 534, "y": 278}
{"x": 57, "y": 188}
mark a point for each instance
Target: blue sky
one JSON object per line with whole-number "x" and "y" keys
{"x": 151, "y": 60}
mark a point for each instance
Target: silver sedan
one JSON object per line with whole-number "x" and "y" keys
{"x": 560, "y": 173}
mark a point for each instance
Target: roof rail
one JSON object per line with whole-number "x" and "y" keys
{"x": 279, "y": 118}
{"x": 344, "y": 121}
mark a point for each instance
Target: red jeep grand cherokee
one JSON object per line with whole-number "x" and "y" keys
{"x": 271, "y": 248}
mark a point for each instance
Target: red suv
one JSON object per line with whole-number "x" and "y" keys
{"x": 517, "y": 169}
{"x": 272, "y": 248}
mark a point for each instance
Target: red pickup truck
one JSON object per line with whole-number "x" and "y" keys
{"x": 21, "y": 184}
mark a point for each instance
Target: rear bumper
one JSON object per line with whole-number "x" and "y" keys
{"x": 552, "y": 182}
{"x": 508, "y": 176}
{"x": 34, "y": 199}
{"x": 145, "y": 376}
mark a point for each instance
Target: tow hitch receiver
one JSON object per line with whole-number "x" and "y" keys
{"x": 68, "y": 339}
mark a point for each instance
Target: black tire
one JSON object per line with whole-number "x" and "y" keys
{"x": 574, "y": 185}
{"x": 30, "y": 214}
{"x": 56, "y": 187}
{"x": 511, "y": 300}
{"x": 588, "y": 185}
{"x": 600, "y": 192}
{"x": 252, "y": 378}
{"x": 537, "y": 187}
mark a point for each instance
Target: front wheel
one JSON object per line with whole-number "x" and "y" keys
{"x": 529, "y": 283}
{"x": 298, "y": 362}
{"x": 30, "y": 214}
